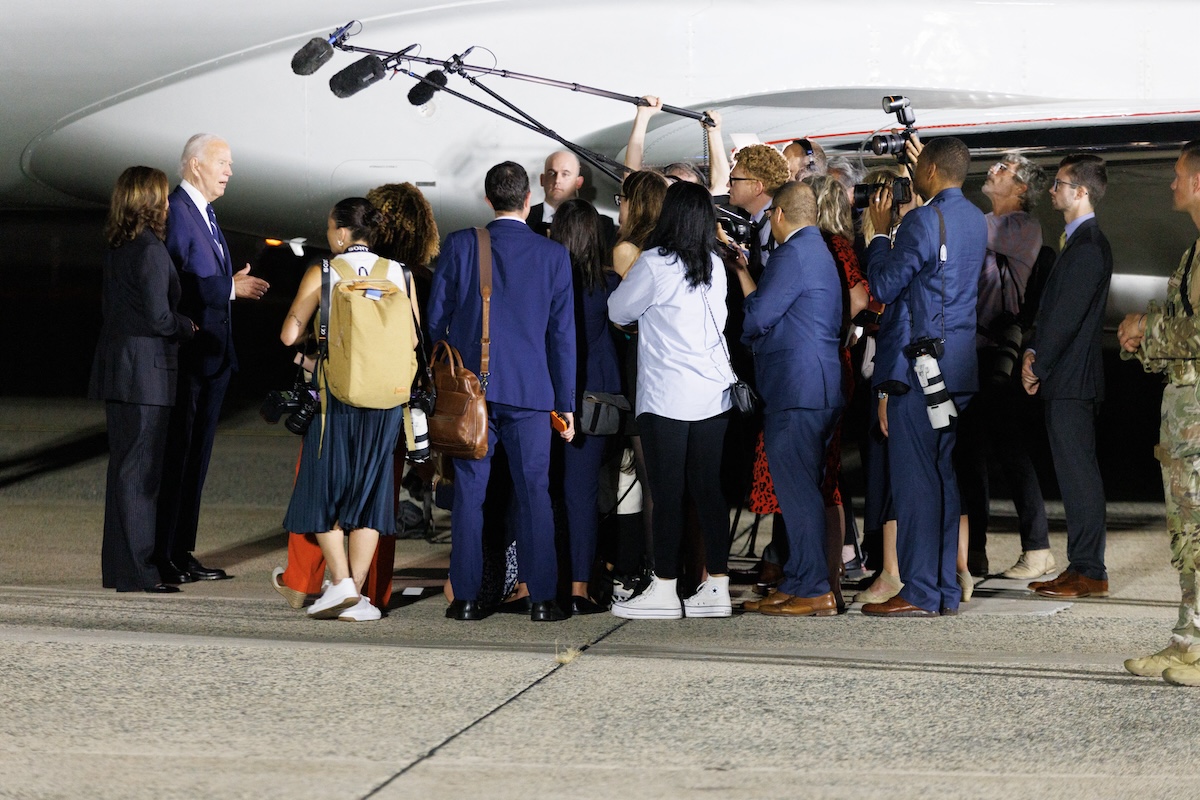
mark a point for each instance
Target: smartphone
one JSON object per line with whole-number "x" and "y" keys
{"x": 558, "y": 422}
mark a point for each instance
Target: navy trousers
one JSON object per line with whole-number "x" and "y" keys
{"x": 925, "y": 496}
{"x": 581, "y": 484}
{"x": 193, "y": 429}
{"x": 796, "y": 440}
{"x": 525, "y": 435}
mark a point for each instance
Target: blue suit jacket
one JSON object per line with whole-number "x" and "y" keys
{"x": 532, "y": 323}
{"x": 206, "y": 281}
{"x": 907, "y": 273}
{"x": 1070, "y": 318}
{"x": 792, "y": 325}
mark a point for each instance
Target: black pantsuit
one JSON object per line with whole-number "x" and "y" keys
{"x": 137, "y": 438}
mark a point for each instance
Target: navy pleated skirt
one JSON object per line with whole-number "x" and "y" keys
{"x": 349, "y": 482}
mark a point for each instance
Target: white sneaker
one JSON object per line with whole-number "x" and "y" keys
{"x": 659, "y": 601}
{"x": 362, "y": 611}
{"x": 1031, "y": 564}
{"x": 710, "y": 600}
{"x": 334, "y": 599}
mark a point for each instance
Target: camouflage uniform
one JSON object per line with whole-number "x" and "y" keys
{"x": 1172, "y": 346}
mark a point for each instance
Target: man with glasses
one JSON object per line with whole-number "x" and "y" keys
{"x": 991, "y": 424}
{"x": 1167, "y": 339}
{"x": 758, "y": 172}
{"x": 1063, "y": 364}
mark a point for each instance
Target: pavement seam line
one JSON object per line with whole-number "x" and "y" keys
{"x": 431, "y": 752}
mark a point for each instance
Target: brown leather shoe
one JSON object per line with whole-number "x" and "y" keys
{"x": 1074, "y": 586}
{"x": 896, "y": 607}
{"x": 823, "y": 606}
{"x": 1062, "y": 576}
{"x": 775, "y": 598}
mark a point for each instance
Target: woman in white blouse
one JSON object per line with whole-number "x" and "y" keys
{"x": 675, "y": 292}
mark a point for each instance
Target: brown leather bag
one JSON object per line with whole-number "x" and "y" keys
{"x": 458, "y": 426}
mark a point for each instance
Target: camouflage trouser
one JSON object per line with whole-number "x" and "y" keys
{"x": 1179, "y": 454}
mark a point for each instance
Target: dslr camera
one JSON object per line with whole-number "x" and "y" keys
{"x": 737, "y": 227}
{"x": 901, "y": 193}
{"x": 884, "y": 144}
{"x": 924, "y": 353}
{"x": 301, "y": 404}
{"x": 1006, "y": 332}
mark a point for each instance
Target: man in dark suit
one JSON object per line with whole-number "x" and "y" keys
{"x": 1063, "y": 363}
{"x": 209, "y": 285}
{"x": 531, "y": 372}
{"x": 561, "y": 180}
{"x": 792, "y": 325}
{"x": 931, "y": 274}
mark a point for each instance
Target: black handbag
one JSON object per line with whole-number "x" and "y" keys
{"x": 743, "y": 396}
{"x": 602, "y": 413}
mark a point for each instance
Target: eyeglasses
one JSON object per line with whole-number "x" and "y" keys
{"x": 617, "y": 198}
{"x": 1001, "y": 166}
{"x": 732, "y": 179}
{"x": 1054, "y": 186}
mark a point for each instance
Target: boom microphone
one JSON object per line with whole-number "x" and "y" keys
{"x": 318, "y": 51}
{"x": 357, "y": 76}
{"x": 422, "y": 93}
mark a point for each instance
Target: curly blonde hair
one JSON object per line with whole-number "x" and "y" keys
{"x": 409, "y": 233}
{"x": 764, "y": 163}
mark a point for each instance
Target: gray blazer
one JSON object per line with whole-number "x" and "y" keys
{"x": 137, "y": 357}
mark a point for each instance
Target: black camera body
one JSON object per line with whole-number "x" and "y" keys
{"x": 737, "y": 228}
{"x": 1006, "y": 332}
{"x": 925, "y": 346}
{"x": 901, "y": 193}
{"x": 301, "y": 404}
{"x": 884, "y": 144}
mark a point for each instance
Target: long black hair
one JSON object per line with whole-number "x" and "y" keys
{"x": 687, "y": 228}
{"x": 577, "y": 226}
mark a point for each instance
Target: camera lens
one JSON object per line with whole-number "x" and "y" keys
{"x": 887, "y": 144}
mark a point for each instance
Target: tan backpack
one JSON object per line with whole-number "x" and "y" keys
{"x": 368, "y": 335}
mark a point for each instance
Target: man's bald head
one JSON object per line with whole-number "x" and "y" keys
{"x": 561, "y": 178}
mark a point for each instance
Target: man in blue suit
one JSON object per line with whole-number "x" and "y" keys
{"x": 531, "y": 372}
{"x": 793, "y": 326}
{"x": 1064, "y": 362}
{"x": 931, "y": 272}
{"x": 209, "y": 285}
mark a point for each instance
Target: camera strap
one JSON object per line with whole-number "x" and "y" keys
{"x": 1184, "y": 292}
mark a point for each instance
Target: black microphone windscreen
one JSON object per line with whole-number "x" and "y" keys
{"x": 422, "y": 93}
{"x": 312, "y": 56}
{"x": 357, "y": 76}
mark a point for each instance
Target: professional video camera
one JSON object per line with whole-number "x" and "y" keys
{"x": 883, "y": 144}
{"x": 901, "y": 192}
{"x": 301, "y": 404}
{"x": 939, "y": 405}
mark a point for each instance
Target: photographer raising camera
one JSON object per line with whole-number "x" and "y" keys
{"x": 930, "y": 276}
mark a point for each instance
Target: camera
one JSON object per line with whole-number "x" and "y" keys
{"x": 301, "y": 404}
{"x": 884, "y": 144}
{"x": 737, "y": 227}
{"x": 940, "y": 407}
{"x": 1005, "y": 331}
{"x": 420, "y": 405}
{"x": 901, "y": 193}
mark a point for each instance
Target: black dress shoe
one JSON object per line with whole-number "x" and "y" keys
{"x": 199, "y": 572}
{"x": 170, "y": 573}
{"x": 161, "y": 588}
{"x": 546, "y": 611}
{"x": 585, "y": 605}
{"x": 463, "y": 610}
{"x": 522, "y": 605}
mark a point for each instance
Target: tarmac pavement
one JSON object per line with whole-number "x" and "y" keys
{"x": 223, "y": 691}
